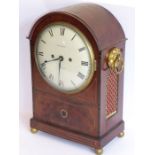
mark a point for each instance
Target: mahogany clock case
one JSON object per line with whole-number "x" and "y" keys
{"x": 86, "y": 120}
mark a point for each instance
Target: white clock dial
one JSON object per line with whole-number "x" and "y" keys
{"x": 64, "y": 57}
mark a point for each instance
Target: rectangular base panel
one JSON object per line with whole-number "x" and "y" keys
{"x": 96, "y": 143}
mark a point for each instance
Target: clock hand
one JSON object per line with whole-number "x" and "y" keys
{"x": 60, "y": 60}
{"x": 52, "y": 60}
{"x": 43, "y": 64}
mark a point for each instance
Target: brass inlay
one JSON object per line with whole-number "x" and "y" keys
{"x": 111, "y": 114}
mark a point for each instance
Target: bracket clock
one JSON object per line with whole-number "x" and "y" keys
{"x": 77, "y": 59}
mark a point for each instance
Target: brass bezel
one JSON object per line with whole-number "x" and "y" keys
{"x": 92, "y": 59}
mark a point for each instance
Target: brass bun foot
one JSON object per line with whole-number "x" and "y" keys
{"x": 99, "y": 151}
{"x": 34, "y": 130}
{"x": 121, "y": 134}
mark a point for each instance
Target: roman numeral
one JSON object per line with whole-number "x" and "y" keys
{"x": 51, "y": 77}
{"x": 73, "y": 83}
{"x": 40, "y": 53}
{"x": 43, "y": 41}
{"x": 43, "y": 66}
{"x": 80, "y": 75}
{"x": 51, "y": 32}
{"x": 62, "y": 31}
{"x": 61, "y": 84}
{"x": 73, "y": 37}
{"x": 84, "y": 63}
{"x": 82, "y": 49}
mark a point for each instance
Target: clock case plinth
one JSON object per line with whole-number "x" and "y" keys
{"x": 86, "y": 120}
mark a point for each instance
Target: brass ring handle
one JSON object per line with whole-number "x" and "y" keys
{"x": 115, "y": 60}
{"x": 63, "y": 113}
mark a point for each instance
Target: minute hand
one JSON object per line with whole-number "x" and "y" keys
{"x": 60, "y": 60}
{"x": 59, "y": 71}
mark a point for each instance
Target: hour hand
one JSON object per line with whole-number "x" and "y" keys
{"x": 52, "y": 60}
{"x": 46, "y": 61}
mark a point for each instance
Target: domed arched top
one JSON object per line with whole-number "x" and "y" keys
{"x": 94, "y": 20}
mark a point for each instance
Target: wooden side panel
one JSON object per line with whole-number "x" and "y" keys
{"x": 108, "y": 124}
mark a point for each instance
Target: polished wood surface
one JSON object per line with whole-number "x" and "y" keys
{"x": 80, "y": 117}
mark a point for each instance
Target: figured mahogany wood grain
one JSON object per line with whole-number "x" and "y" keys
{"x": 95, "y": 142}
{"x": 100, "y": 22}
{"x": 107, "y": 124}
{"x": 79, "y": 118}
{"x": 104, "y": 27}
{"x": 86, "y": 122}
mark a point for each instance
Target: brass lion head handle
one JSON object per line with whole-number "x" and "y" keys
{"x": 115, "y": 60}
